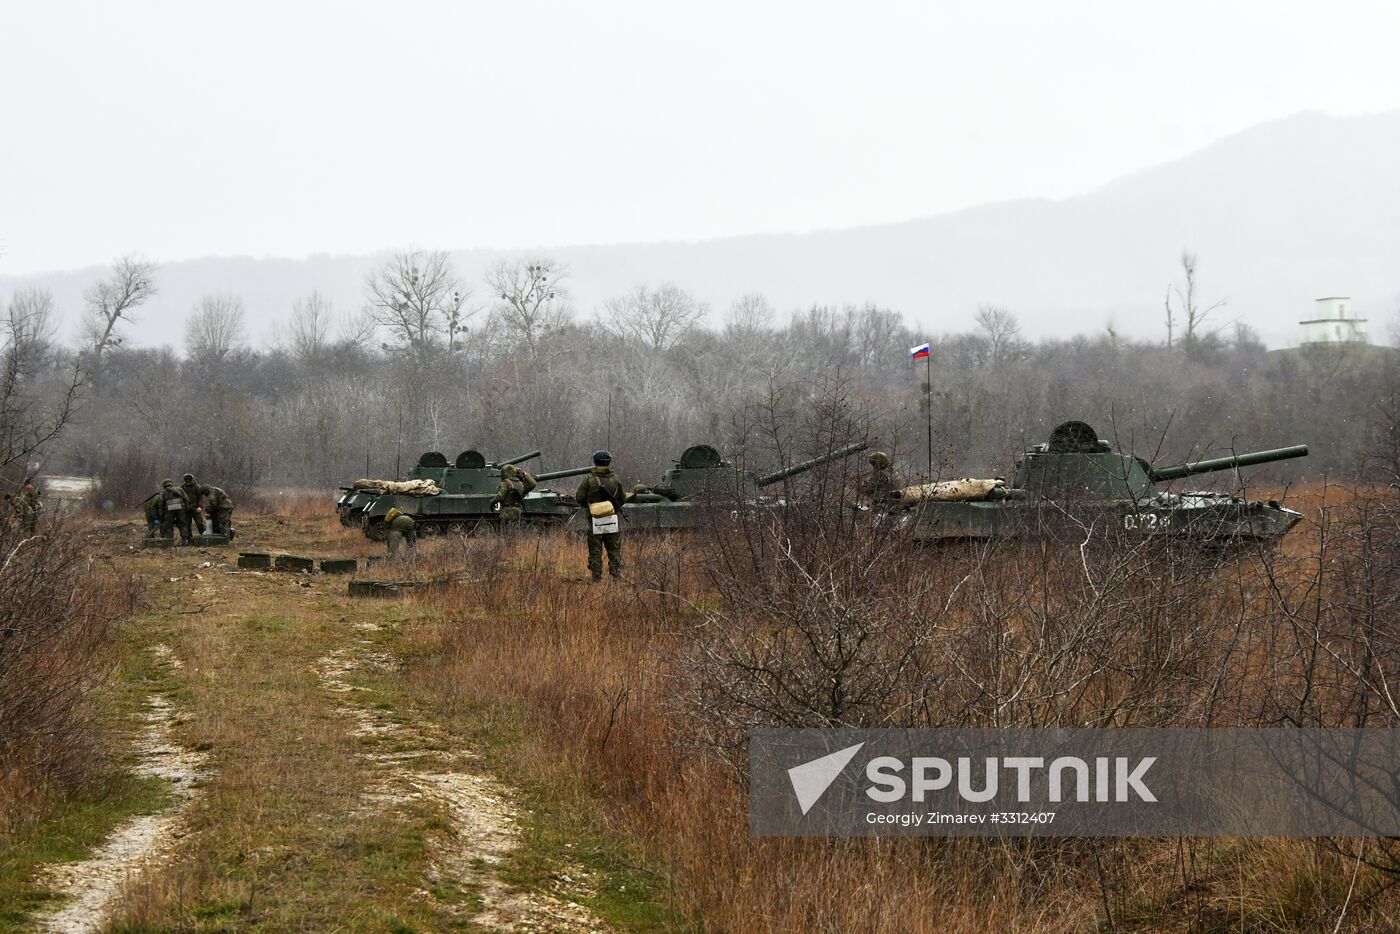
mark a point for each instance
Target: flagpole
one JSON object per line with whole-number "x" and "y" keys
{"x": 928, "y": 407}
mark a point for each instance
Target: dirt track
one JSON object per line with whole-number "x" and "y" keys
{"x": 305, "y": 766}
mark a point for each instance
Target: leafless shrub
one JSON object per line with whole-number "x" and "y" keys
{"x": 55, "y": 648}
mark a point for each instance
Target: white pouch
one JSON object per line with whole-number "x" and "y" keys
{"x": 605, "y": 525}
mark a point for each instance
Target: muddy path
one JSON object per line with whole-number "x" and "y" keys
{"x": 412, "y": 759}
{"x": 89, "y": 890}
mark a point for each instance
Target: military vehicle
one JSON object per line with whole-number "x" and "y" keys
{"x": 1078, "y": 478}
{"x": 467, "y": 500}
{"x": 432, "y": 465}
{"x": 703, "y": 477}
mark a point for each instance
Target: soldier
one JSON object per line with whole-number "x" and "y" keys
{"x": 516, "y": 482}
{"x": 884, "y": 482}
{"x": 217, "y": 506}
{"x": 154, "y": 508}
{"x": 601, "y": 493}
{"x": 27, "y": 507}
{"x": 173, "y": 512}
{"x": 401, "y": 531}
{"x": 194, "y": 516}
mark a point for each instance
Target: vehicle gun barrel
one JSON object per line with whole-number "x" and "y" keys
{"x": 519, "y": 460}
{"x": 1176, "y": 471}
{"x": 559, "y": 474}
{"x": 806, "y": 465}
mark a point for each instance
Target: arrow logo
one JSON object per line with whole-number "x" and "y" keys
{"x": 810, "y": 780}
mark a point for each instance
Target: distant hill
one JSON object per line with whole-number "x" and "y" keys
{"x": 1278, "y": 214}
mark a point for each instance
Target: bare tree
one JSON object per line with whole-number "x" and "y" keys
{"x": 1188, "y": 307}
{"x": 1002, "y": 329}
{"x": 215, "y": 327}
{"x": 749, "y": 316}
{"x": 656, "y": 318}
{"x": 32, "y": 411}
{"x": 311, "y": 325}
{"x": 111, "y": 301}
{"x": 30, "y": 329}
{"x": 419, "y": 299}
{"x": 530, "y": 301}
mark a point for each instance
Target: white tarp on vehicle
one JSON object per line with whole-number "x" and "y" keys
{"x": 964, "y": 490}
{"x": 401, "y": 487}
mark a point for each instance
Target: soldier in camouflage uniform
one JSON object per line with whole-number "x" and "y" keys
{"x": 602, "y": 486}
{"x": 193, "y": 517}
{"x": 174, "y": 508}
{"x": 154, "y": 510}
{"x": 884, "y": 482}
{"x": 27, "y": 507}
{"x": 402, "y": 531}
{"x": 516, "y": 482}
{"x": 218, "y": 506}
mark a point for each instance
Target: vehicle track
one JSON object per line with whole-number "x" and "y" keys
{"x": 90, "y": 889}
{"x": 412, "y": 759}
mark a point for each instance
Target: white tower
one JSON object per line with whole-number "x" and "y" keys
{"x": 1334, "y": 322}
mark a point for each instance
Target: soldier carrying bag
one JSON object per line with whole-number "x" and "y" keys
{"x": 602, "y": 515}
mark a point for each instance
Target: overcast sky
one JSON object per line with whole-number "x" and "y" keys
{"x": 186, "y": 129}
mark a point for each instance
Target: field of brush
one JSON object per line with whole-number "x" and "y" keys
{"x": 339, "y": 737}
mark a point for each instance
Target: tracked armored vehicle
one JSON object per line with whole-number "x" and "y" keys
{"x": 700, "y": 478}
{"x": 468, "y": 498}
{"x": 1077, "y": 478}
{"x": 432, "y": 465}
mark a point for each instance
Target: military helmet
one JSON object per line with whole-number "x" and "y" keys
{"x": 602, "y": 458}
{"x": 167, "y": 482}
{"x": 879, "y": 459}
{"x": 189, "y": 478}
{"x": 508, "y": 471}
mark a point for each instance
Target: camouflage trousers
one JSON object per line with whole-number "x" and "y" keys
{"x": 409, "y": 541}
{"x": 510, "y": 518}
{"x": 597, "y": 544}
{"x": 223, "y": 521}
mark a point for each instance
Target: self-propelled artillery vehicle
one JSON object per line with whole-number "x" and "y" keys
{"x": 432, "y": 465}
{"x": 467, "y": 499}
{"x": 703, "y": 478}
{"x": 1077, "y": 478}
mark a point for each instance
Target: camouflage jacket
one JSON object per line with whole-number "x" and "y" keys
{"x": 173, "y": 501}
{"x": 601, "y": 484}
{"x": 213, "y": 499}
{"x": 27, "y": 503}
{"x": 882, "y": 482}
{"x": 193, "y": 492}
{"x": 154, "y": 507}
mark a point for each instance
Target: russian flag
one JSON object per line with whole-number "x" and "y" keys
{"x": 918, "y": 353}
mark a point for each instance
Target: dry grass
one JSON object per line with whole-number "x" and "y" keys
{"x": 590, "y": 676}
{"x": 586, "y": 698}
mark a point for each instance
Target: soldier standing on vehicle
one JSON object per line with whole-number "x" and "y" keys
{"x": 27, "y": 507}
{"x": 402, "y": 531}
{"x": 601, "y": 493}
{"x": 884, "y": 482}
{"x": 516, "y": 482}
{"x": 218, "y": 506}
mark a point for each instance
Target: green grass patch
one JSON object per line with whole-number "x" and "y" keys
{"x": 68, "y": 833}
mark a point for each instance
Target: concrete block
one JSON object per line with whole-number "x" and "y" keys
{"x": 294, "y": 563}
